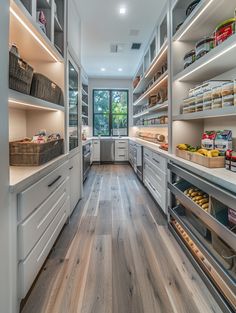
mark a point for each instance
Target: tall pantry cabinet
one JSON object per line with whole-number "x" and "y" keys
{"x": 36, "y": 201}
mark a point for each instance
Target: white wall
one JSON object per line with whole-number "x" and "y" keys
{"x": 109, "y": 83}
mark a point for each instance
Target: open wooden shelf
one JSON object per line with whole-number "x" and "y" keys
{"x": 22, "y": 101}
{"x": 32, "y": 42}
{"x": 223, "y": 112}
{"x": 218, "y": 61}
{"x": 208, "y": 14}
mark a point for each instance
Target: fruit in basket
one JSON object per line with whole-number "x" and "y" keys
{"x": 183, "y": 146}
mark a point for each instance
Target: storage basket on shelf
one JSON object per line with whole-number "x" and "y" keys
{"x": 33, "y": 154}
{"x": 43, "y": 88}
{"x": 20, "y": 74}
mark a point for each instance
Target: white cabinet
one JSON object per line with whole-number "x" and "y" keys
{"x": 42, "y": 210}
{"x": 74, "y": 29}
{"x": 155, "y": 176}
{"x": 75, "y": 180}
{"x": 96, "y": 150}
{"x": 121, "y": 150}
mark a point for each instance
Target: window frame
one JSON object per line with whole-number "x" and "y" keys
{"x": 111, "y": 114}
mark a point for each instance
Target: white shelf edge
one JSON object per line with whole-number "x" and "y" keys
{"x": 210, "y": 57}
{"x": 157, "y": 107}
{"x": 213, "y": 113}
{"x": 22, "y": 101}
{"x": 152, "y": 126}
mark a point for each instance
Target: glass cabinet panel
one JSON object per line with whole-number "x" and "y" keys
{"x": 73, "y": 107}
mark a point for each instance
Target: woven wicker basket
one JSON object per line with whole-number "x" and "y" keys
{"x": 34, "y": 154}
{"x": 20, "y": 74}
{"x": 45, "y": 89}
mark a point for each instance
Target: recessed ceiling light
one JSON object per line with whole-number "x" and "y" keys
{"x": 120, "y": 69}
{"x": 103, "y": 69}
{"x": 122, "y": 10}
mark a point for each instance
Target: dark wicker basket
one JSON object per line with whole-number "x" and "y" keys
{"x": 20, "y": 74}
{"x": 45, "y": 89}
{"x": 34, "y": 154}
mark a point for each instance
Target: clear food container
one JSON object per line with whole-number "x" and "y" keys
{"x": 227, "y": 89}
{"x": 216, "y": 92}
{"x": 217, "y": 103}
{"x": 199, "y": 98}
{"x": 228, "y": 101}
{"x": 199, "y": 107}
{"x": 207, "y": 96}
{"x": 207, "y": 105}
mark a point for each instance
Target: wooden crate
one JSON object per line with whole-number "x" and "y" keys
{"x": 215, "y": 162}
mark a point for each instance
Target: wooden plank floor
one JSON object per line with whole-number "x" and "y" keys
{"x": 117, "y": 256}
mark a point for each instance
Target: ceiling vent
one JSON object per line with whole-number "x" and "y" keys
{"x": 117, "y": 48}
{"x": 136, "y": 46}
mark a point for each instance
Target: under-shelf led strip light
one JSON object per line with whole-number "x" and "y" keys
{"x": 207, "y": 62}
{"x": 31, "y": 105}
{"x": 33, "y": 34}
{"x": 158, "y": 59}
{"x": 194, "y": 20}
{"x": 149, "y": 91}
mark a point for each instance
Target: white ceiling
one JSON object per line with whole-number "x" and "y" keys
{"x": 102, "y": 25}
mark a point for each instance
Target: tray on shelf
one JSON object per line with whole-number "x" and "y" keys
{"x": 214, "y": 162}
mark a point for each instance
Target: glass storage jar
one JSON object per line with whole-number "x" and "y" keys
{"x": 228, "y": 101}
{"x": 207, "y": 105}
{"x": 217, "y": 103}
{"x": 216, "y": 92}
{"x": 227, "y": 89}
{"x": 199, "y": 107}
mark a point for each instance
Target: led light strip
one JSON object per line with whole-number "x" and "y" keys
{"x": 207, "y": 62}
{"x": 31, "y": 105}
{"x": 33, "y": 34}
{"x": 194, "y": 20}
{"x": 141, "y": 114}
{"x": 158, "y": 59}
{"x": 150, "y": 90}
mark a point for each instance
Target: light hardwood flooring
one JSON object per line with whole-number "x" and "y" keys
{"x": 117, "y": 256}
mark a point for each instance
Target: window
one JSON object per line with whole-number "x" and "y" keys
{"x": 110, "y": 112}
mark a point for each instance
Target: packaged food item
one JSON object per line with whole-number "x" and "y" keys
{"x": 227, "y": 89}
{"x": 223, "y": 141}
{"x": 232, "y": 217}
{"x": 192, "y": 109}
{"x": 228, "y": 156}
{"x": 228, "y": 101}
{"x": 189, "y": 58}
{"x": 208, "y": 140}
{"x": 199, "y": 107}
{"x": 207, "y": 95}
{"x": 224, "y": 31}
{"x": 216, "y": 92}
{"x": 233, "y": 164}
{"x": 192, "y": 93}
{"x": 204, "y": 46}
{"x": 217, "y": 103}
{"x": 207, "y": 105}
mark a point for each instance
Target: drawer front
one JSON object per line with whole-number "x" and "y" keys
{"x": 158, "y": 175}
{"x": 158, "y": 195}
{"x": 147, "y": 154}
{"x": 31, "y": 198}
{"x": 33, "y": 228}
{"x": 121, "y": 155}
{"x": 121, "y": 144}
{"x": 159, "y": 161}
{"x": 29, "y": 268}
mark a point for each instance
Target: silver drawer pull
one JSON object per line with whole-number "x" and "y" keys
{"x": 52, "y": 183}
{"x": 156, "y": 160}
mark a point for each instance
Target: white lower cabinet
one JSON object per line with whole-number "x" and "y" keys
{"x": 42, "y": 210}
{"x": 96, "y": 151}
{"x": 121, "y": 150}
{"x": 155, "y": 176}
{"x": 75, "y": 180}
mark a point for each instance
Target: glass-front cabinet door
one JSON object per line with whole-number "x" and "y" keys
{"x": 73, "y": 107}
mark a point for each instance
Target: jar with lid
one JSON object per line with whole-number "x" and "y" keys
{"x": 227, "y": 89}
{"x": 207, "y": 96}
{"x": 189, "y": 58}
{"x": 228, "y": 101}
{"x": 207, "y": 105}
{"x": 217, "y": 103}
{"x": 216, "y": 92}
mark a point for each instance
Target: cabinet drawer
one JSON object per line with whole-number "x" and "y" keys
{"x": 31, "y": 198}
{"x": 147, "y": 154}
{"x": 159, "y": 161}
{"x": 155, "y": 172}
{"x": 121, "y": 144}
{"x": 121, "y": 156}
{"x": 158, "y": 195}
{"x": 33, "y": 228}
{"x": 29, "y": 268}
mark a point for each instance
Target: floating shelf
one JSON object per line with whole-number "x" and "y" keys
{"x": 152, "y": 126}
{"x": 155, "y": 65}
{"x": 18, "y": 100}
{"x": 224, "y": 112}
{"x": 151, "y": 90}
{"x": 31, "y": 41}
{"x": 156, "y": 108}
{"x": 208, "y": 14}
{"x": 218, "y": 61}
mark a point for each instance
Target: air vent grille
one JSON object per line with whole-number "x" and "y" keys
{"x": 136, "y": 46}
